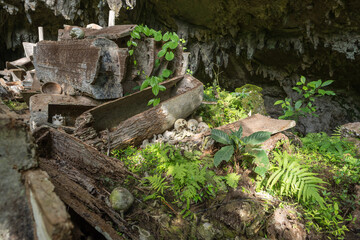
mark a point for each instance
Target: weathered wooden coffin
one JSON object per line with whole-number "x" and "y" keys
{"x": 95, "y": 67}
{"x": 130, "y": 120}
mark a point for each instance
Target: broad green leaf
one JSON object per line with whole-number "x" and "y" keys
{"x": 134, "y": 43}
{"x": 330, "y": 93}
{"x": 161, "y": 53}
{"x": 297, "y": 89}
{"x": 135, "y": 34}
{"x": 146, "y": 31}
{"x": 131, "y": 52}
{"x": 156, "y": 101}
{"x": 128, "y": 43}
{"x": 153, "y": 81}
{"x": 262, "y": 161}
{"x": 166, "y": 36}
{"x": 144, "y": 85}
{"x": 298, "y": 104}
{"x": 173, "y": 44}
{"x": 321, "y": 92}
{"x": 220, "y": 136}
{"x": 278, "y": 102}
{"x": 326, "y": 83}
{"x": 169, "y": 56}
{"x": 302, "y": 79}
{"x": 239, "y": 132}
{"x": 155, "y": 90}
{"x": 166, "y": 73}
{"x": 151, "y": 101}
{"x": 317, "y": 83}
{"x": 157, "y": 36}
{"x": 225, "y": 153}
{"x": 174, "y": 37}
{"x": 257, "y": 138}
{"x": 162, "y": 88}
{"x": 289, "y": 113}
{"x": 260, "y": 171}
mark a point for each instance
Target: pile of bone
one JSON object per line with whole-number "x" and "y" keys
{"x": 182, "y": 129}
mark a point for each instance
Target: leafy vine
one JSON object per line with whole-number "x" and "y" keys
{"x": 170, "y": 42}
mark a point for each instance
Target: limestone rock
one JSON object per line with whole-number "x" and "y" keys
{"x": 283, "y": 225}
{"x": 350, "y": 130}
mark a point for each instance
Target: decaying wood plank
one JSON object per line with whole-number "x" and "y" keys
{"x": 77, "y": 172}
{"x": 113, "y": 32}
{"x": 49, "y": 212}
{"x": 255, "y": 123}
{"x": 129, "y": 120}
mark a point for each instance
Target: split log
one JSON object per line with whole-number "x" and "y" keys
{"x": 129, "y": 120}
{"x": 78, "y": 172}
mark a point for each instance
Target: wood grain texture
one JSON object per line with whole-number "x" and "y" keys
{"x": 77, "y": 171}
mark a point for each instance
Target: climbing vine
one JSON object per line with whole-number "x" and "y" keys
{"x": 170, "y": 42}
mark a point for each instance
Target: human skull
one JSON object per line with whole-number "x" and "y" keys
{"x": 199, "y": 118}
{"x": 202, "y": 127}
{"x": 192, "y": 125}
{"x": 77, "y": 33}
{"x": 58, "y": 120}
{"x": 180, "y": 124}
{"x": 168, "y": 135}
{"x": 144, "y": 143}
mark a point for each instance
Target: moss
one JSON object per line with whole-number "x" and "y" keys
{"x": 249, "y": 88}
{"x": 253, "y": 101}
{"x": 16, "y": 106}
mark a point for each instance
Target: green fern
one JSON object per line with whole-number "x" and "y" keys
{"x": 292, "y": 179}
{"x": 157, "y": 183}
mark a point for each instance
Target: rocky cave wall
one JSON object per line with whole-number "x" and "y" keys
{"x": 268, "y": 43}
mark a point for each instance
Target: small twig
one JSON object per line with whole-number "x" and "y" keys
{"x": 167, "y": 204}
{"x": 108, "y": 138}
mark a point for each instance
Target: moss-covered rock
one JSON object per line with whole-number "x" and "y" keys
{"x": 254, "y": 101}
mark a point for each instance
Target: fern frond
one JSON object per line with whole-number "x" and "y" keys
{"x": 295, "y": 180}
{"x": 157, "y": 183}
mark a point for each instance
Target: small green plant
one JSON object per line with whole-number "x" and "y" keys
{"x": 222, "y": 109}
{"x": 336, "y": 154}
{"x": 308, "y": 94}
{"x": 293, "y": 179}
{"x": 327, "y": 219}
{"x": 170, "y": 43}
{"x": 236, "y": 144}
{"x": 15, "y": 105}
{"x": 174, "y": 175}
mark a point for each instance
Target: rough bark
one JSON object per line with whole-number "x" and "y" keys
{"x": 77, "y": 172}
